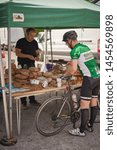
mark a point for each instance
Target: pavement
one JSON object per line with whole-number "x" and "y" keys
{"x": 30, "y": 139}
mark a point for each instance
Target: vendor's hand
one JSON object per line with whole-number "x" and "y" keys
{"x": 37, "y": 58}
{"x": 41, "y": 52}
{"x": 31, "y": 57}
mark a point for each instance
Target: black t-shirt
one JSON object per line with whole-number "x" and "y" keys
{"x": 27, "y": 48}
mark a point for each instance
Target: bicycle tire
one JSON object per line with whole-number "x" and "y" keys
{"x": 47, "y": 122}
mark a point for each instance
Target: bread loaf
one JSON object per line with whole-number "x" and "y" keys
{"x": 33, "y": 69}
{"x": 20, "y": 76}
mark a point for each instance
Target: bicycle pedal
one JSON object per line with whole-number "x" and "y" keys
{"x": 65, "y": 116}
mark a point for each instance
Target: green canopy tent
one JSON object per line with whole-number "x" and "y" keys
{"x": 46, "y": 14}
{"x": 49, "y": 14}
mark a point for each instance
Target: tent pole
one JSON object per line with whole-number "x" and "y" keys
{"x": 51, "y": 46}
{"x": 43, "y": 68}
{"x": 45, "y": 47}
{"x": 4, "y": 95}
{"x": 10, "y": 80}
{"x": 10, "y": 140}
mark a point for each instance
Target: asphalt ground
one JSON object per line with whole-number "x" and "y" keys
{"x": 30, "y": 139}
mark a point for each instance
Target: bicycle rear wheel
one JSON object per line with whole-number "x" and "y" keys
{"x": 52, "y": 116}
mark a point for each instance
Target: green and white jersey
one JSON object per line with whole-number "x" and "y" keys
{"x": 86, "y": 62}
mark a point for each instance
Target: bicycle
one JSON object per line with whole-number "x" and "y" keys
{"x": 53, "y": 115}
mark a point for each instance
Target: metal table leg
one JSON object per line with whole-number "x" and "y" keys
{"x": 18, "y": 109}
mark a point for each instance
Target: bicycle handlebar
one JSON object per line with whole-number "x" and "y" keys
{"x": 66, "y": 77}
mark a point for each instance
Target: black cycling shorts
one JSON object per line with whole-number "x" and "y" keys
{"x": 90, "y": 88}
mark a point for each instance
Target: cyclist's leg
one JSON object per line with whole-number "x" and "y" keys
{"x": 93, "y": 104}
{"x": 86, "y": 96}
{"x": 84, "y": 106}
{"x": 86, "y": 93}
{"x": 93, "y": 111}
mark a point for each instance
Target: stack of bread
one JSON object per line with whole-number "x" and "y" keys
{"x": 58, "y": 69}
{"x": 33, "y": 79}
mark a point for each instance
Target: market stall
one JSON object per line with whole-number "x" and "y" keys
{"x": 32, "y": 81}
{"x": 44, "y": 14}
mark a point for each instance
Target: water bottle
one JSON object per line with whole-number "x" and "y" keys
{"x": 59, "y": 83}
{"x": 74, "y": 99}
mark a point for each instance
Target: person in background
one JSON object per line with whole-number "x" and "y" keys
{"x": 83, "y": 59}
{"x": 27, "y": 52}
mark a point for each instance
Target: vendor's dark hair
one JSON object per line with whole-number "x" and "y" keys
{"x": 30, "y": 30}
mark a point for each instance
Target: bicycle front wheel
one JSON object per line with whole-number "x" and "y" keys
{"x": 52, "y": 116}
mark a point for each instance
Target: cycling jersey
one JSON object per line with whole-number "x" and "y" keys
{"x": 86, "y": 62}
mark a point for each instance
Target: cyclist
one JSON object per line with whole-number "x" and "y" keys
{"x": 83, "y": 59}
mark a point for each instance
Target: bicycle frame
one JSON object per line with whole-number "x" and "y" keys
{"x": 68, "y": 97}
{"x": 68, "y": 93}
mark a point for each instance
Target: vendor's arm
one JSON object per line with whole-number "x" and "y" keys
{"x": 72, "y": 67}
{"x": 21, "y": 55}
